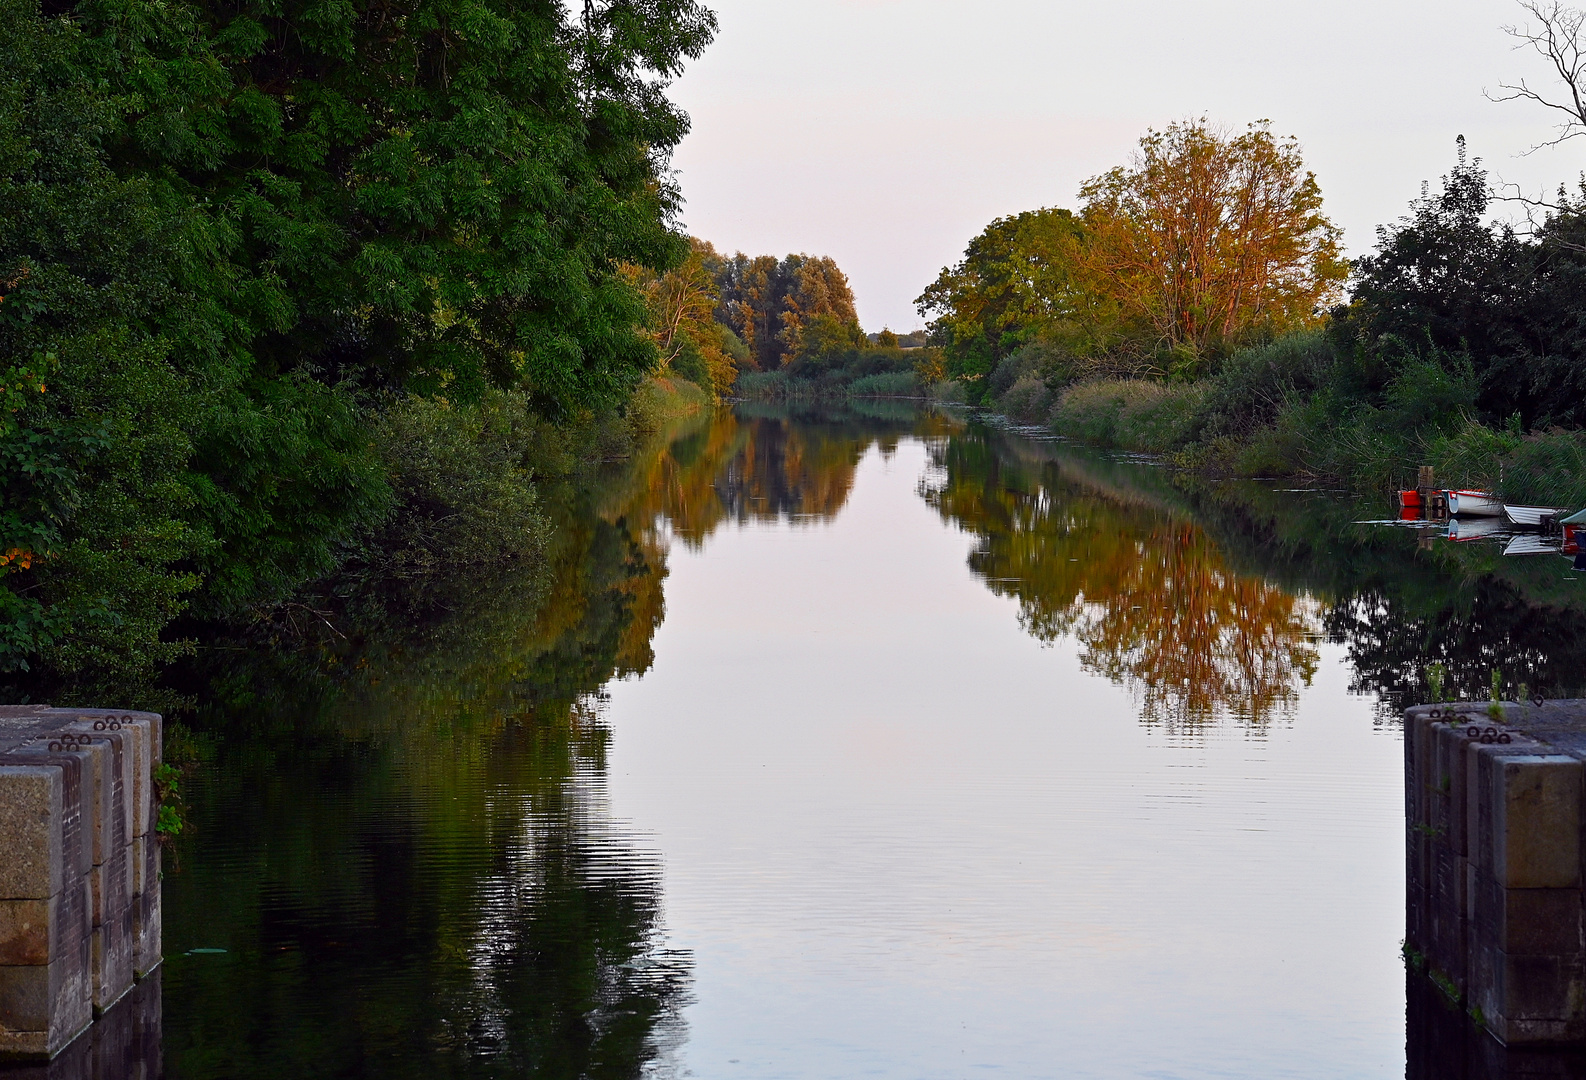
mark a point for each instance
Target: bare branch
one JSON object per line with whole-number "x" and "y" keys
{"x": 1557, "y": 39}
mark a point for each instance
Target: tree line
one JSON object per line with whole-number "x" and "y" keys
{"x": 1197, "y": 303}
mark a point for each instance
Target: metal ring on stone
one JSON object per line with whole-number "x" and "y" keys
{"x": 1504, "y": 738}
{"x": 99, "y": 725}
{"x": 1487, "y": 739}
{"x": 1473, "y": 732}
{"x": 55, "y": 747}
{"x": 1539, "y": 700}
{"x": 1493, "y": 732}
{"x": 1436, "y": 714}
{"x": 114, "y": 725}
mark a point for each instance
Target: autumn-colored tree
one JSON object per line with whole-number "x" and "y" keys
{"x": 768, "y": 303}
{"x": 1207, "y": 241}
{"x": 681, "y": 305}
{"x": 1202, "y": 243}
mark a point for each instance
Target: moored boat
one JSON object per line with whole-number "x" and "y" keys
{"x": 1474, "y": 504}
{"x": 1532, "y": 517}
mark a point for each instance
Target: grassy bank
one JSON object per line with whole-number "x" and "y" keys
{"x": 1294, "y": 409}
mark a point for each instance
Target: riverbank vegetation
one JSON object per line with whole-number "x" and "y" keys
{"x": 1178, "y": 313}
{"x": 293, "y": 296}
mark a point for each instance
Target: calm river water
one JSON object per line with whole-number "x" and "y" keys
{"x": 861, "y": 742}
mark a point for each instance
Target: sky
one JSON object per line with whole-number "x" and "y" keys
{"x": 887, "y": 133}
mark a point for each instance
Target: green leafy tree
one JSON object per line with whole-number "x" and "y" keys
{"x": 434, "y": 194}
{"x": 1017, "y": 280}
{"x": 221, "y": 224}
{"x": 1444, "y": 281}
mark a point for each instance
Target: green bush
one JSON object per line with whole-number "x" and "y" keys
{"x": 885, "y": 384}
{"x": 465, "y": 495}
{"x": 1028, "y": 401}
{"x": 950, "y": 392}
{"x": 1255, "y": 385}
{"x": 1134, "y": 414}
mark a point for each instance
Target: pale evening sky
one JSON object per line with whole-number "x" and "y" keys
{"x": 886, "y": 133}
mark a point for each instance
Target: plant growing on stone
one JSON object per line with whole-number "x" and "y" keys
{"x": 1435, "y": 673}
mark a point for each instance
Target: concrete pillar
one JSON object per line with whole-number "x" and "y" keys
{"x": 79, "y": 870}
{"x": 1495, "y": 890}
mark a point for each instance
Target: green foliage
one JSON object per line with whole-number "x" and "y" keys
{"x": 291, "y": 481}
{"x": 854, "y": 371}
{"x": 170, "y": 819}
{"x": 465, "y": 494}
{"x": 1017, "y": 279}
{"x": 1028, "y": 401}
{"x": 1254, "y": 386}
{"x": 434, "y": 195}
{"x": 885, "y": 384}
{"x": 827, "y": 337}
{"x": 769, "y": 303}
{"x": 227, "y": 228}
{"x": 1134, "y": 414}
{"x": 1445, "y": 281}
{"x": 96, "y": 432}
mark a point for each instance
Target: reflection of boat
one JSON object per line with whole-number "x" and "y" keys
{"x": 1530, "y": 544}
{"x": 1574, "y": 528}
{"x": 1481, "y": 528}
{"x": 1531, "y": 517}
{"x": 1474, "y": 504}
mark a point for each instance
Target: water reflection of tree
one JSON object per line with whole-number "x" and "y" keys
{"x": 1147, "y": 595}
{"x": 402, "y": 840}
{"x": 758, "y": 465}
{"x": 402, "y": 837}
{"x": 1472, "y": 629}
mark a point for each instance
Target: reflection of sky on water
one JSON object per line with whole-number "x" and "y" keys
{"x": 903, "y": 837}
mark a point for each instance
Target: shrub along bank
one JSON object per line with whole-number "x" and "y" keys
{"x": 877, "y": 371}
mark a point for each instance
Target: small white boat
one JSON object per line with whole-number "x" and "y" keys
{"x": 1530, "y": 517}
{"x": 1482, "y": 528}
{"x": 1530, "y": 545}
{"x": 1474, "y": 504}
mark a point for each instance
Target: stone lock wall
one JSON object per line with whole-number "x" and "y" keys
{"x": 79, "y": 869}
{"x": 1495, "y": 907}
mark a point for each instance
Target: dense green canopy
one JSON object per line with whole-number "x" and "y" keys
{"x": 223, "y": 226}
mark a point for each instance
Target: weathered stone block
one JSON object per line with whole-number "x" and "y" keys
{"x": 45, "y": 1005}
{"x": 1447, "y": 782}
{"x": 112, "y": 957}
{"x": 42, "y": 931}
{"x": 1537, "y": 821}
{"x": 31, "y": 820}
{"x": 1539, "y": 987}
{"x": 112, "y": 883}
{"x": 146, "y": 929}
{"x": 112, "y": 780}
{"x": 142, "y": 732}
{"x": 1529, "y": 921}
{"x": 146, "y": 933}
{"x": 145, "y": 859}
